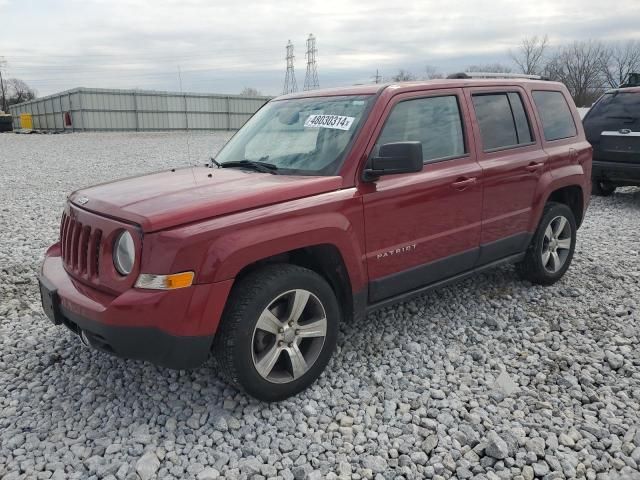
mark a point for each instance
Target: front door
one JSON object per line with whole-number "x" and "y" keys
{"x": 423, "y": 227}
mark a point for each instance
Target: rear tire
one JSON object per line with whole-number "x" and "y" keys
{"x": 602, "y": 188}
{"x": 551, "y": 249}
{"x": 278, "y": 331}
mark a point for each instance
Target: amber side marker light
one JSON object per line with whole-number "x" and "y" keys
{"x": 165, "y": 282}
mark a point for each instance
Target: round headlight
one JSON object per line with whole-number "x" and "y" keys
{"x": 124, "y": 253}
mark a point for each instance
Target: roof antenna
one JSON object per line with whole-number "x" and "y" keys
{"x": 186, "y": 123}
{"x": 186, "y": 115}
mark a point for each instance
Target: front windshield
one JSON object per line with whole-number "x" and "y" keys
{"x": 306, "y": 136}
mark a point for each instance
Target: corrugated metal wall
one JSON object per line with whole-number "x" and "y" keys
{"x": 84, "y": 109}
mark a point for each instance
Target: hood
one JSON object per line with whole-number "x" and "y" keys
{"x": 175, "y": 197}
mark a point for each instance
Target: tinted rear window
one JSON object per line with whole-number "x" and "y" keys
{"x": 520, "y": 117}
{"x": 557, "y": 121}
{"x": 502, "y": 120}
{"x": 617, "y": 105}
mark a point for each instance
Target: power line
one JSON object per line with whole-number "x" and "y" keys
{"x": 311, "y": 78}
{"x": 290, "y": 84}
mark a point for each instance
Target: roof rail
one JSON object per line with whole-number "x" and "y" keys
{"x": 494, "y": 75}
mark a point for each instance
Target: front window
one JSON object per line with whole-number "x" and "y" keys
{"x": 306, "y": 136}
{"x": 435, "y": 122}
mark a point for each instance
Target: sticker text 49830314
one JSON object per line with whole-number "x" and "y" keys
{"x": 339, "y": 122}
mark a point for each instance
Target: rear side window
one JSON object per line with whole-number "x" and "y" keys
{"x": 557, "y": 121}
{"x": 520, "y": 117}
{"x": 435, "y": 122}
{"x": 502, "y": 120}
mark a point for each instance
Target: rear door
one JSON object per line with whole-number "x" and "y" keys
{"x": 512, "y": 161}
{"x": 423, "y": 227}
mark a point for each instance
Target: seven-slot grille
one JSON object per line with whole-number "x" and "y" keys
{"x": 80, "y": 247}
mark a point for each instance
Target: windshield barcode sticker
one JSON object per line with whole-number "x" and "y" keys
{"x": 329, "y": 121}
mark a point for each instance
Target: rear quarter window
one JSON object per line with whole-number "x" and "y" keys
{"x": 557, "y": 120}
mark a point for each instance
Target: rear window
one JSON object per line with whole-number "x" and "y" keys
{"x": 557, "y": 121}
{"x": 620, "y": 105}
{"x": 502, "y": 119}
{"x": 520, "y": 117}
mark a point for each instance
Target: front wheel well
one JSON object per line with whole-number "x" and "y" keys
{"x": 326, "y": 260}
{"x": 572, "y": 196}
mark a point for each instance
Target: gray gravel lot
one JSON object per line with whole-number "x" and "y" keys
{"x": 490, "y": 378}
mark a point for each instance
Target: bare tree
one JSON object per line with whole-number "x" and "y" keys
{"x": 432, "y": 73}
{"x": 579, "y": 66}
{"x": 621, "y": 60}
{"x": 403, "y": 76}
{"x": 19, "y": 91}
{"x": 490, "y": 68}
{"x": 250, "y": 92}
{"x": 530, "y": 55}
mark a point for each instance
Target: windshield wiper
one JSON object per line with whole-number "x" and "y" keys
{"x": 258, "y": 165}
{"x": 213, "y": 161}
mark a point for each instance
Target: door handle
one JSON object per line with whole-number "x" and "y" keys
{"x": 463, "y": 183}
{"x": 534, "y": 166}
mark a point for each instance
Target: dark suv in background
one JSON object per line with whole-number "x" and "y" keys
{"x": 612, "y": 126}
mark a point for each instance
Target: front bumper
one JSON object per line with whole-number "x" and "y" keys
{"x": 173, "y": 328}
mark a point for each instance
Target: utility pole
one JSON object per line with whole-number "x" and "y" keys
{"x": 311, "y": 78}
{"x": 2, "y": 91}
{"x": 377, "y": 78}
{"x": 290, "y": 84}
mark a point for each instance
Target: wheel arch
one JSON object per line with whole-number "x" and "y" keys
{"x": 573, "y": 197}
{"x": 324, "y": 259}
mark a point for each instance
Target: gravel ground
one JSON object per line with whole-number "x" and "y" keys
{"x": 490, "y": 378}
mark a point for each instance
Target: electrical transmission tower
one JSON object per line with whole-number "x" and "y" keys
{"x": 3, "y": 98}
{"x": 290, "y": 84}
{"x": 377, "y": 77}
{"x": 311, "y": 78}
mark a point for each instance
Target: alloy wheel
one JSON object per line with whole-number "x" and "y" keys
{"x": 289, "y": 336}
{"x": 556, "y": 244}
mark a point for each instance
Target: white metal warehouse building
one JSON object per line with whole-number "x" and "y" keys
{"x": 90, "y": 109}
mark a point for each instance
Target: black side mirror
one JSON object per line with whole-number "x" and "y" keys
{"x": 395, "y": 158}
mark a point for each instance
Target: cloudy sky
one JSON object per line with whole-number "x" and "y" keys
{"x": 223, "y": 46}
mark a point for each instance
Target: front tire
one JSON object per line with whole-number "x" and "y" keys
{"x": 551, "y": 250}
{"x": 278, "y": 331}
{"x": 602, "y": 188}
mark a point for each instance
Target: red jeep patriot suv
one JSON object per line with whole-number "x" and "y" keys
{"x": 325, "y": 205}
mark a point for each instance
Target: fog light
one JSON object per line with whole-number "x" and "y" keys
{"x": 165, "y": 282}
